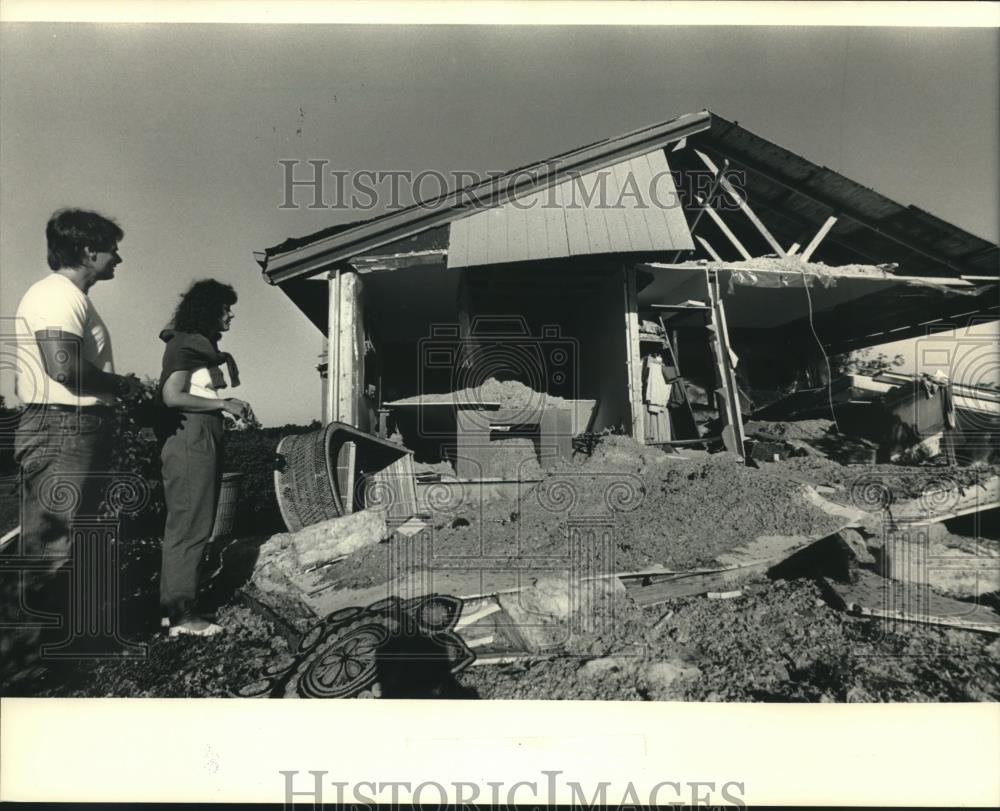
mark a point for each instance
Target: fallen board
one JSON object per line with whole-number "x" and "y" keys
{"x": 878, "y": 598}
{"x": 754, "y": 558}
{"x": 956, "y": 502}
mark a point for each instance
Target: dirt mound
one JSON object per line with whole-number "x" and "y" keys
{"x": 630, "y": 508}
{"x": 797, "y": 429}
{"x": 862, "y": 483}
{"x": 506, "y": 394}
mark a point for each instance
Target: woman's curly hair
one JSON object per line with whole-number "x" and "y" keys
{"x": 202, "y": 306}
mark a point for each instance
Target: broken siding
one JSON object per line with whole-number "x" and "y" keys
{"x": 630, "y": 207}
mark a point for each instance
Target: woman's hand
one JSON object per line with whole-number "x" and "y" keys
{"x": 238, "y": 408}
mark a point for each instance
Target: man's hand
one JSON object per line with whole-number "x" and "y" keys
{"x": 127, "y": 387}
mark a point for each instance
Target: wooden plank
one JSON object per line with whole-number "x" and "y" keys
{"x": 983, "y": 496}
{"x": 593, "y": 187}
{"x": 737, "y": 198}
{"x": 568, "y": 199}
{"x": 496, "y": 235}
{"x": 556, "y": 231}
{"x": 534, "y": 220}
{"x": 350, "y": 349}
{"x": 665, "y": 200}
{"x": 732, "y": 432}
{"x": 346, "y": 466}
{"x": 926, "y": 619}
{"x": 713, "y": 214}
{"x": 458, "y": 243}
{"x": 708, "y": 248}
{"x": 615, "y": 217}
{"x": 638, "y": 230}
{"x": 878, "y": 598}
{"x": 517, "y": 232}
{"x": 651, "y": 213}
{"x": 816, "y": 240}
{"x": 344, "y": 372}
{"x": 479, "y": 230}
{"x": 332, "y": 394}
{"x": 690, "y": 585}
{"x": 634, "y": 359}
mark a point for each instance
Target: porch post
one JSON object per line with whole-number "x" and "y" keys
{"x": 344, "y": 350}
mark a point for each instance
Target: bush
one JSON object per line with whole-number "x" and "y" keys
{"x": 136, "y": 451}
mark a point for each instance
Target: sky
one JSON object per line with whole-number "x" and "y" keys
{"x": 176, "y": 131}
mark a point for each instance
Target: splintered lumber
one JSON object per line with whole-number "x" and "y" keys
{"x": 878, "y": 598}
{"x": 736, "y": 197}
{"x": 327, "y": 540}
{"x": 814, "y": 243}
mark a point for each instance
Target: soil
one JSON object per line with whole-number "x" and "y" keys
{"x": 798, "y": 429}
{"x": 506, "y": 394}
{"x": 861, "y": 485}
{"x": 777, "y": 641}
{"x": 663, "y": 512}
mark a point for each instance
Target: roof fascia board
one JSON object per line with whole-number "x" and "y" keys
{"x": 328, "y": 252}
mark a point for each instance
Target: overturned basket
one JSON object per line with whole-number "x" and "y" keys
{"x": 317, "y": 475}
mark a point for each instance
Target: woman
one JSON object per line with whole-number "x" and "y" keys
{"x": 194, "y": 377}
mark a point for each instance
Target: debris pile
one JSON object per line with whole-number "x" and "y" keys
{"x": 506, "y": 394}
{"x": 663, "y": 512}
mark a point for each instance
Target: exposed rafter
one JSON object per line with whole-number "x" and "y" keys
{"x": 798, "y": 188}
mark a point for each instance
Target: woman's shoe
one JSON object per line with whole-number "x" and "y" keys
{"x": 194, "y": 626}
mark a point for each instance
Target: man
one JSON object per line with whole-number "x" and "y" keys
{"x": 66, "y": 380}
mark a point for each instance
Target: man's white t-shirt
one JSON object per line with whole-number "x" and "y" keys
{"x": 56, "y": 303}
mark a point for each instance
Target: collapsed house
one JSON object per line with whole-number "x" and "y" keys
{"x": 693, "y": 247}
{"x": 680, "y": 288}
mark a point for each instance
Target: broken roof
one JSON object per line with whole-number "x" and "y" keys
{"x": 791, "y": 194}
{"x": 325, "y": 249}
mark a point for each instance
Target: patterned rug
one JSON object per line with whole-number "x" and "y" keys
{"x": 392, "y": 648}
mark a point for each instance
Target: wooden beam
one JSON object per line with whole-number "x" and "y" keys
{"x": 794, "y": 249}
{"x": 709, "y": 249}
{"x": 634, "y": 360}
{"x": 723, "y": 227}
{"x": 344, "y": 351}
{"x": 732, "y": 430}
{"x": 798, "y": 187}
{"x": 814, "y": 243}
{"x": 738, "y": 199}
